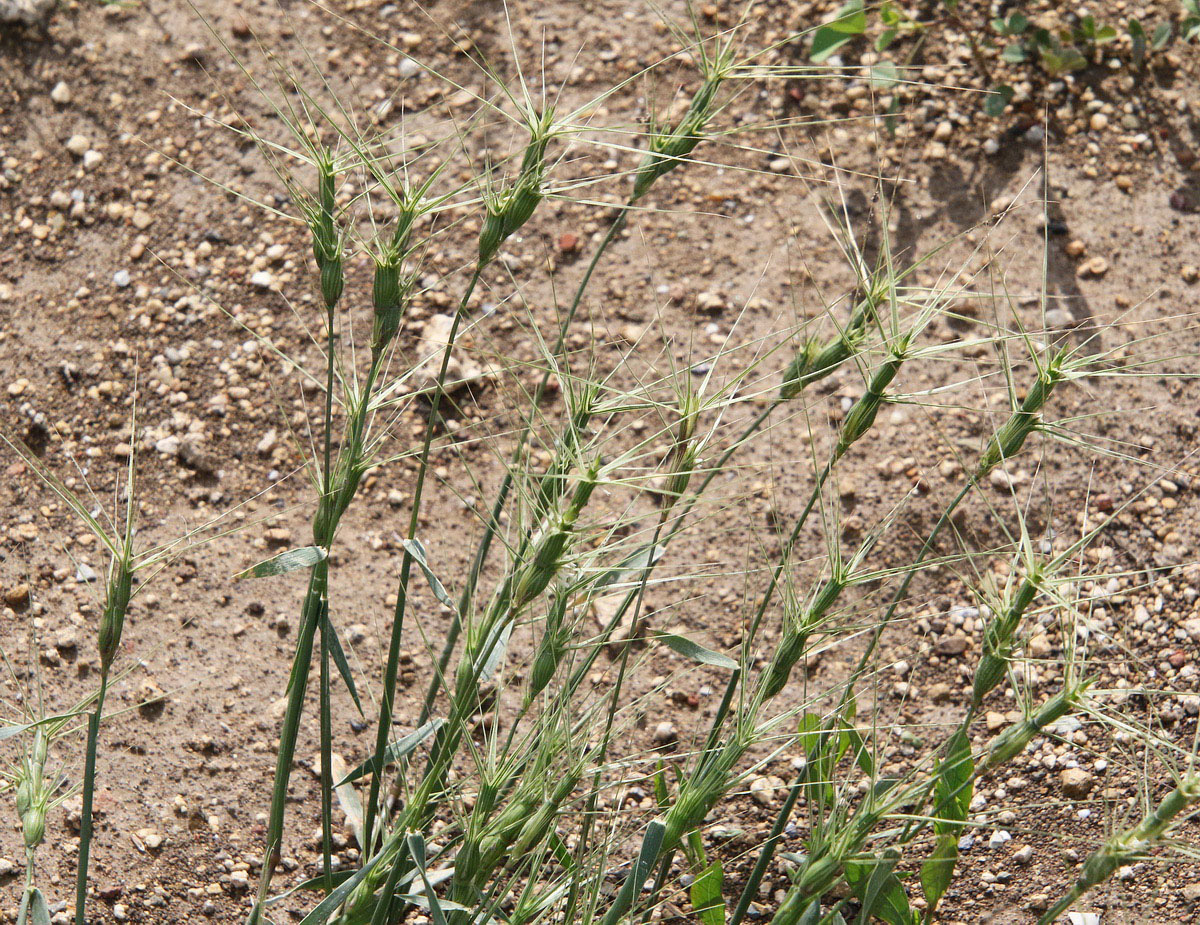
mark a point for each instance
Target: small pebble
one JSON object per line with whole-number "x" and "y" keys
{"x": 78, "y": 145}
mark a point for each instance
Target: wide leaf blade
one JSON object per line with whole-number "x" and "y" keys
{"x": 706, "y": 895}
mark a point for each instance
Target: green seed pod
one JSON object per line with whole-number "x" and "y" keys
{"x": 860, "y": 417}
{"x": 537, "y": 574}
{"x": 332, "y": 282}
{"x": 818, "y": 876}
{"x": 41, "y": 747}
{"x": 116, "y": 603}
{"x": 545, "y": 664}
{"x": 998, "y": 641}
{"x": 33, "y": 824}
{"x": 24, "y": 795}
{"x": 490, "y": 236}
{"x": 583, "y": 493}
{"x": 858, "y": 421}
{"x": 826, "y": 598}
{"x": 521, "y": 206}
{"x": 795, "y": 377}
{"x": 789, "y": 651}
{"x": 668, "y": 148}
{"x": 1012, "y": 741}
{"x": 1010, "y": 437}
{"x": 507, "y": 212}
{"x": 533, "y": 832}
{"x": 993, "y": 666}
{"x": 387, "y": 296}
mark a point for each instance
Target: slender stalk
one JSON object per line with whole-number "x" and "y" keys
{"x": 326, "y": 733}
{"x": 391, "y": 668}
{"x": 314, "y": 601}
{"x": 85, "y": 813}
{"x": 326, "y": 730}
{"x": 502, "y": 495}
{"x": 767, "y": 851}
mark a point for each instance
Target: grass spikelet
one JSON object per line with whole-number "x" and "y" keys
{"x": 1128, "y": 846}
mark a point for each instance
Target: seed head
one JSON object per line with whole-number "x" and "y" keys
{"x": 1012, "y": 741}
{"x": 33, "y": 823}
{"x": 327, "y": 237}
{"x": 860, "y": 417}
{"x": 998, "y": 641}
{"x": 388, "y": 298}
{"x": 1010, "y": 437}
{"x": 814, "y": 362}
{"x": 116, "y": 603}
{"x": 795, "y": 637}
{"x": 509, "y": 210}
{"x": 669, "y": 147}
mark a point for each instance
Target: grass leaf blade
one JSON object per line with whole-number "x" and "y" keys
{"x": 288, "y": 561}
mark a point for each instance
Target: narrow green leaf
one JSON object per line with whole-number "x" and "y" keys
{"x": 394, "y": 752}
{"x": 416, "y": 849}
{"x": 880, "y": 891}
{"x": 288, "y": 561}
{"x": 315, "y": 884}
{"x": 812, "y": 915}
{"x": 862, "y": 754}
{"x": 343, "y": 666}
{"x": 662, "y": 794}
{"x": 7, "y": 732}
{"x": 561, "y": 852}
{"x": 706, "y": 895}
{"x": 494, "y": 652}
{"x": 697, "y": 652}
{"x": 652, "y": 843}
{"x": 810, "y": 734}
{"x": 33, "y": 909}
{"x": 631, "y": 567}
{"x": 417, "y": 551}
{"x": 320, "y": 915}
{"x": 1161, "y": 36}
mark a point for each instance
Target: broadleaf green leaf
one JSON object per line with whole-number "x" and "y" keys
{"x": 706, "y": 895}
{"x": 938, "y": 869}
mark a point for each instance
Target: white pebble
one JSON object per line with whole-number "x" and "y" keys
{"x": 78, "y": 144}
{"x": 61, "y": 94}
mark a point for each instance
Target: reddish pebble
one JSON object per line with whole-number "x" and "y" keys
{"x": 568, "y": 243}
